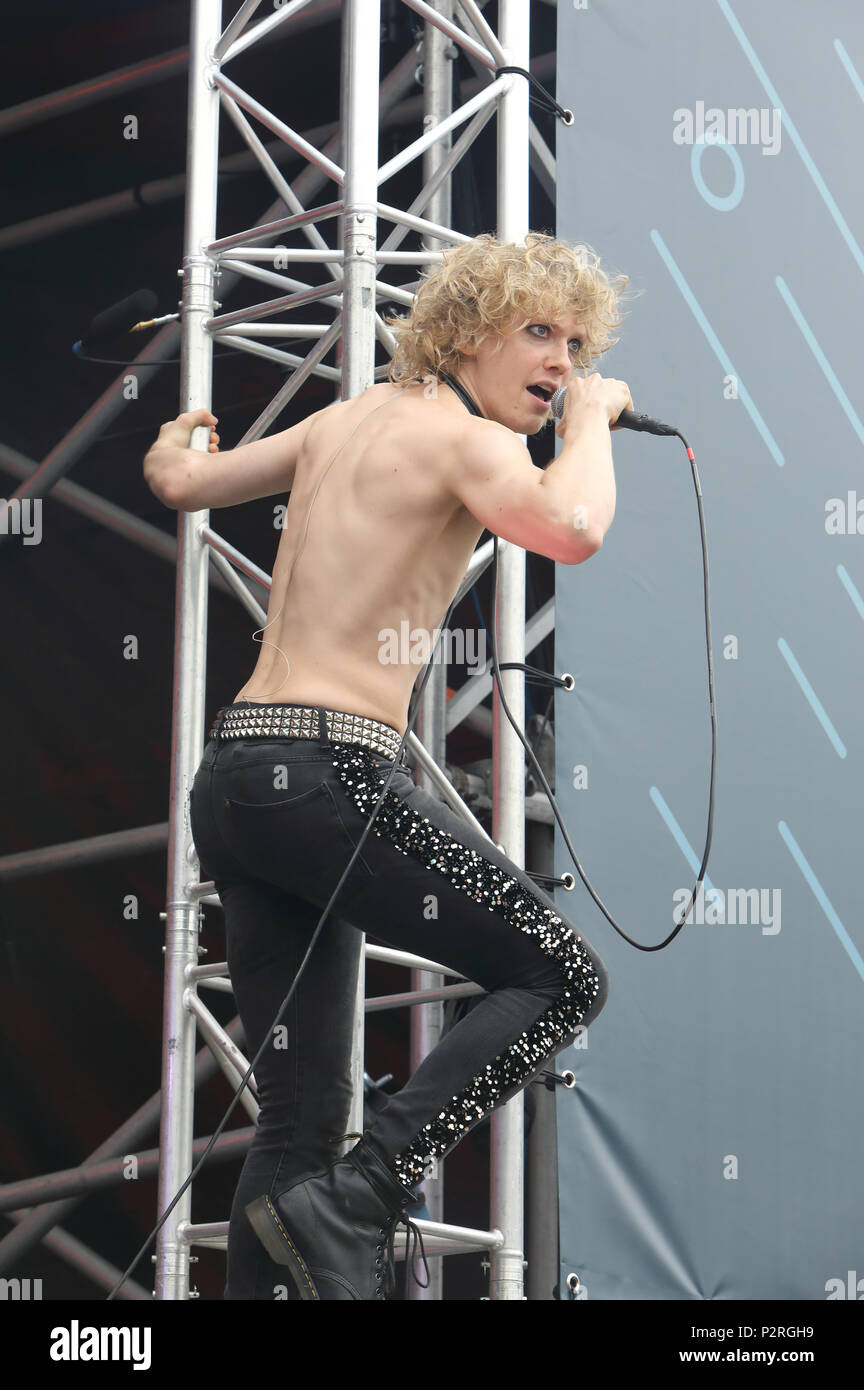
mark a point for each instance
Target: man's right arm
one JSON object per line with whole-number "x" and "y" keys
{"x": 563, "y": 512}
{"x": 581, "y": 480}
{"x": 492, "y": 474}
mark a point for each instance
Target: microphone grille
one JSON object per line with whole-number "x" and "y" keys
{"x": 556, "y": 405}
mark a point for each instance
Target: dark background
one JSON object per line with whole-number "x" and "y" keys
{"x": 86, "y": 746}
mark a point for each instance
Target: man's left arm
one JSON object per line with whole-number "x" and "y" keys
{"x": 190, "y": 480}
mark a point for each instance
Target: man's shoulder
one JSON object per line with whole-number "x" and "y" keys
{"x": 431, "y": 428}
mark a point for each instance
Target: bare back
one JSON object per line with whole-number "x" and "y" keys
{"x": 386, "y": 547}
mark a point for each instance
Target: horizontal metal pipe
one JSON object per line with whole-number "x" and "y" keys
{"x": 386, "y": 953}
{"x": 393, "y": 294}
{"x": 100, "y": 849}
{"x": 130, "y": 200}
{"x": 411, "y": 999}
{"x": 464, "y": 1236}
{"x": 112, "y": 1172}
{"x": 273, "y": 354}
{"x": 214, "y": 971}
{"x": 280, "y": 330}
{"x": 65, "y": 100}
{"x": 100, "y": 1271}
{"x": 295, "y": 253}
{"x": 211, "y": 1233}
{"x": 124, "y": 1140}
{"x": 94, "y": 850}
{"x": 438, "y": 1237}
{"x": 219, "y": 969}
{"x": 95, "y": 508}
{"x": 173, "y": 63}
{"x": 409, "y": 257}
{"x": 274, "y": 253}
{"x": 158, "y": 191}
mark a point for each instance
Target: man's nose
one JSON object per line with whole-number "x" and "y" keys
{"x": 558, "y": 356}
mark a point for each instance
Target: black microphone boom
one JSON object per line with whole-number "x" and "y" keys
{"x": 120, "y": 318}
{"x": 627, "y": 420}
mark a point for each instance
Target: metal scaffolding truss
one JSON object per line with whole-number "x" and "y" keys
{"x": 338, "y": 190}
{"x": 354, "y": 285}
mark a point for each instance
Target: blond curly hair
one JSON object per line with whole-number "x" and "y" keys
{"x": 486, "y": 286}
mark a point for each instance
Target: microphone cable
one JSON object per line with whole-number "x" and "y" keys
{"x": 539, "y": 771}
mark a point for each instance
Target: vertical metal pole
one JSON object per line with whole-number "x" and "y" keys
{"x": 361, "y": 36}
{"x": 541, "y": 1196}
{"x": 508, "y": 806}
{"x": 541, "y": 1173}
{"x": 427, "y": 1021}
{"x": 361, "y": 26}
{"x": 190, "y": 646}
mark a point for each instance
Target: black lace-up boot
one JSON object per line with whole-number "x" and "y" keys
{"x": 335, "y": 1231}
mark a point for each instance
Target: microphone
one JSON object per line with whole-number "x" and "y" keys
{"x": 117, "y": 319}
{"x": 628, "y": 419}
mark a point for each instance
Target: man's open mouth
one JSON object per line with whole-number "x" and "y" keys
{"x": 541, "y": 392}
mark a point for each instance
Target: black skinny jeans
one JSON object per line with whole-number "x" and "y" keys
{"x": 275, "y": 822}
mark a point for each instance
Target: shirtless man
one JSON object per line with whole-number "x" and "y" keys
{"x": 403, "y": 479}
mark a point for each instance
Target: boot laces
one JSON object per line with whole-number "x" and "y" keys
{"x": 413, "y": 1239}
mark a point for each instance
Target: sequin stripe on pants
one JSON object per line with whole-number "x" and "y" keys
{"x": 582, "y": 992}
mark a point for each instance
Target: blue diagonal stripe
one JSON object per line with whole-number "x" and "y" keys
{"x": 853, "y": 593}
{"x": 719, "y": 351}
{"x": 847, "y": 63}
{"x": 812, "y": 698}
{"x": 788, "y": 128}
{"x": 810, "y": 339}
{"x": 679, "y": 837}
{"x": 821, "y": 897}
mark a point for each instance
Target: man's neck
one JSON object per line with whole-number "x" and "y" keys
{"x": 465, "y": 397}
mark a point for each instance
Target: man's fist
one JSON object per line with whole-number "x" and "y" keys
{"x": 177, "y": 434}
{"x": 593, "y": 394}
{"x": 169, "y": 452}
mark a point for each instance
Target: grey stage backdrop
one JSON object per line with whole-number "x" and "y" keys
{"x": 712, "y": 1148}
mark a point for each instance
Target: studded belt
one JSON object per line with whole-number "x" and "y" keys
{"x": 303, "y": 721}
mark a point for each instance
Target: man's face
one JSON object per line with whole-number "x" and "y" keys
{"x": 514, "y": 384}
